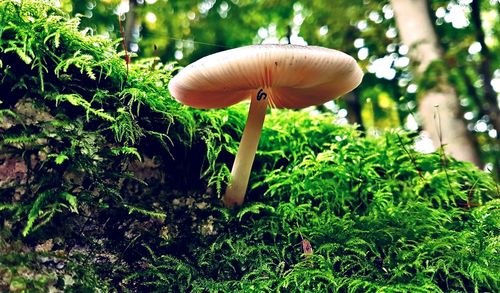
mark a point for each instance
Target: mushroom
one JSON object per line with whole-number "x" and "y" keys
{"x": 281, "y": 76}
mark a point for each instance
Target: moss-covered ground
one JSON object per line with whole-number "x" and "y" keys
{"x": 108, "y": 184}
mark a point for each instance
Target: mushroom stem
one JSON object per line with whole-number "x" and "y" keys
{"x": 235, "y": 192}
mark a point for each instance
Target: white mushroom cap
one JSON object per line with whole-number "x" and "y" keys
{"x": 292, "y": 76}
{"x": 282, "y": 76}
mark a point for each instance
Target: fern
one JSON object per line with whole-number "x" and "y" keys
{"x": 19, "y": 139}
{"x": 125, "y": 128}
{"x": 77, "y": 100}
{"x": 9, "y": 207}
{"x": 36, "y": 210}
{"x": 152, "y": 214}
{"x": 59, "y": 158}
{"x": 255, "y": 208}
{"x": 379, "y": 216}
{"x": 127, "y": 151}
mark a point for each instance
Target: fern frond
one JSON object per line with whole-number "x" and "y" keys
{"x": 148, "y": 213}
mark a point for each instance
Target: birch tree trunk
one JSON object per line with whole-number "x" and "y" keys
{"x": 130, "y": 24}
{"x": 491, "y": 107}
{"x": 417, "y": 32}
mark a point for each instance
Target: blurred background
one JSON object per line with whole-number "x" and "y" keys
{"x": 460, "y": 67}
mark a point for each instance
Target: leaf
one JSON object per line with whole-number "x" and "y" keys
{"x": 9, "y": 207}
{"x": 61, "y": 158}
{"x": 148, "y": 213}
{"x": 126, "y": 151}
{"x": 36, "y": 210}
{"x": 255, "y": 208}
{"x": 72, "y": 200}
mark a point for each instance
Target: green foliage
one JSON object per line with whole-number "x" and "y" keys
{"x": 77, "y": 100}
{"x": 83, "y": 98}
{"x": 21, "y": 279}
{"x": 147, "y": 213}
{"x": 124, "y": 180}
{"x": 198, "y": 28}
{"x": 434, "y": 76}
{"x": 374, "y": 223}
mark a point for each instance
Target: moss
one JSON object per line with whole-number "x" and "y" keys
{"x": 112, "y": 185}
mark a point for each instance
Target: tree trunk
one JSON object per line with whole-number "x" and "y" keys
{"x": 130, "y": 24}
{"x": 491, "y": 108}
{"x": 353, "y": 106}
{"x": 448, "y": 129}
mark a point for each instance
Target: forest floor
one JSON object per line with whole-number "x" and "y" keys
{"x": 108, "y": 184}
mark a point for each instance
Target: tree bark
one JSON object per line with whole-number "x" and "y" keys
{"x": 448, "y": 129}
{"x": 491, "y": 108}
{"x": 353, "y": 106}
{"x": 130, "y": 24}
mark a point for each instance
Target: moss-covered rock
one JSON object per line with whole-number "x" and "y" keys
{"x": 107, "y": 183}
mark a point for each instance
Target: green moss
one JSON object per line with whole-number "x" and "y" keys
{"x": 123, "y": 182}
